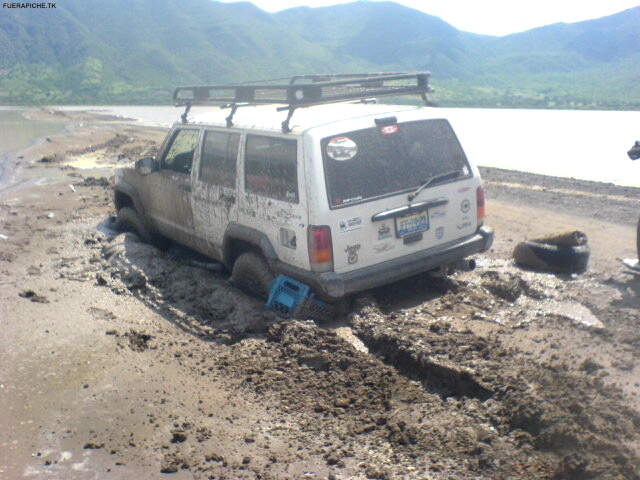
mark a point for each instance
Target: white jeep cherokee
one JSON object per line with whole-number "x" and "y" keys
{"x": 348, "y": 197}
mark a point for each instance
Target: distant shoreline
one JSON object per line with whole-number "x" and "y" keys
{"x": 439, "y": 104}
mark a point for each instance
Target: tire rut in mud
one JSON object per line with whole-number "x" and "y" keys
{"x": 568, "y": 417}
{"x": 355, "y": 410}
{"x": 444, "y": 379}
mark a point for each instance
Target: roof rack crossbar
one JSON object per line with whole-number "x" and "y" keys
{"x": 322, "y": 89}
{"x": 306, "y": 94}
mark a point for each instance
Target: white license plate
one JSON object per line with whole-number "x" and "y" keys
{"x": 417, "y": 222}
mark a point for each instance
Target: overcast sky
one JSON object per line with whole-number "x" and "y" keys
{"x": 492, "y": 17}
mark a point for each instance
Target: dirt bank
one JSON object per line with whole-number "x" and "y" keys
{"x": 122, "y": 360}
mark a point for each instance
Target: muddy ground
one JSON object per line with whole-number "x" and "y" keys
{"x": 121, "y": 360}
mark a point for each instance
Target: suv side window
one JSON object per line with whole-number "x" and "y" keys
{"x": 271, "y": 167}
{"x": 179, "y": 156}
{"x": 218, "y": 159}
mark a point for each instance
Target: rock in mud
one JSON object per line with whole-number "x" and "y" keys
{"x": 172, "y": 462}
{"x": 93, "y": 446}
{"x": 55, "y": 158}
{"x": 33, "y": 296}
{"x": 138, "y": 341}
{"x": 178, "y": 436}
{"x": 94, "y": 182}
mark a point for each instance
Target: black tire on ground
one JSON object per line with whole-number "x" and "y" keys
{"x": 552, "y": 258}
{"x": 252, "y": 275}
{"x": 128, "y": 220}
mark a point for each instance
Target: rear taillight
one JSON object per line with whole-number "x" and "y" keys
{"x": 320, "y": 248}
{"x": 480, "y": 206}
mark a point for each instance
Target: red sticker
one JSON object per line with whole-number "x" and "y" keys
{"x": 389, "y": 129}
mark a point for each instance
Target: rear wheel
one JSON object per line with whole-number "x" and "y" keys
{"x": 252, "y": 274}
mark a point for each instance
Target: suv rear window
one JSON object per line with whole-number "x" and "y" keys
{"x": 271, "y": 167}
{"x": 380, "y": 161}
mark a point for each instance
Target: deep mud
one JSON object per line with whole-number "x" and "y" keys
{"x": 147, "y": 362}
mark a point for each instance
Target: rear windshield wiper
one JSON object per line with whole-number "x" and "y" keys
{"x": 436, "y": 178}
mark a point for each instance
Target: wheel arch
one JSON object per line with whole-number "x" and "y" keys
{"x": 124, "y": 195}
{"x": 240, "y": 238}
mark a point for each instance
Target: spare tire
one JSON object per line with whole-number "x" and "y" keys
{"x": 552, "y": 258}
{"x": 571, "y": 238}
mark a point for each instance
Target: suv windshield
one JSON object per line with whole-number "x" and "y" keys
{"x": 379, "y": 161}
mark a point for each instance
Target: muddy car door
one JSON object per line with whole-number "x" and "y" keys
{"x": 168, "y": 195}
{"x": 214, "y": 189}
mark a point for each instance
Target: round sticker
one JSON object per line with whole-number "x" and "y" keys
{"x": 341, "y": 149}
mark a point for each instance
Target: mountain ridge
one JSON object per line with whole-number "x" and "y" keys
{"x": 135, "y": 51}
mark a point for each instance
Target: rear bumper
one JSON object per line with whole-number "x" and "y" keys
{"x": 333, "y": 285}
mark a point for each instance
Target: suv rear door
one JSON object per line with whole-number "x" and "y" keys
{"x": 370, "y": 174}
{"x": 273, "y": 200}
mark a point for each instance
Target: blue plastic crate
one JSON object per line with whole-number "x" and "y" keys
{"x": 286, "y": 294}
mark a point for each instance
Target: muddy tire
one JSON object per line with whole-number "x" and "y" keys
{"x": 128, "y": 220}
{"x": 252, "y": 275}
{"x": 552, "y": 258}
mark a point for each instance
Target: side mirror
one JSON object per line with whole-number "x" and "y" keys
{"x": 146, "y": 165}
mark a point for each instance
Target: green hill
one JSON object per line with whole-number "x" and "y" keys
{"x": 90, "y": 51}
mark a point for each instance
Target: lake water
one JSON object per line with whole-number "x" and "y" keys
{"x": 17, "y": 132}
{"x": 589, "y": 145}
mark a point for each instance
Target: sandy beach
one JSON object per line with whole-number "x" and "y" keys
{"x": 121, "y": 360}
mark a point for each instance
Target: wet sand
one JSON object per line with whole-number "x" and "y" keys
{"x": 122, "y": 360}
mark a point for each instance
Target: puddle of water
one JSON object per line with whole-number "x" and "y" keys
{"x": 90, "y": 161}
{"x": 347, "y": 335}
{"x": 18, "y": 132}
{"x": 577, "y": 313}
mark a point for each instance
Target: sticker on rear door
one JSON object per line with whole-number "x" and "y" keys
{"x": 350, "y": 224}
{"x": 352, "y": 253}
{"x": 384, "y": 231}
{"x": 341, "y": 149}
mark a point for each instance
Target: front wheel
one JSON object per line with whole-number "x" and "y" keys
{"x": 128, "y": 220}
{"x": 252, "y": 274}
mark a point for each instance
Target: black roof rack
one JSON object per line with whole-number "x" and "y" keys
{"x": 304, "y": 91}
